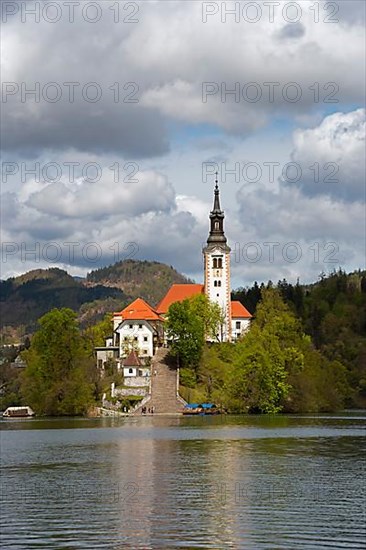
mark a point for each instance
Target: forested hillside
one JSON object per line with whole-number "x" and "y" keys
{"x": 26, "y": 298}
{"x": 147, "y": 280}
{"x": 333, "y": 313}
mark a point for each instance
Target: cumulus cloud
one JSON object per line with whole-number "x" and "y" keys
{"x": 331, "y": 157}
{"x": 147, "y": 192}
{"x": 107, "y": 128}
{"x": 321, "y": 224}
{"x": 288, "y": 235}
{"x": 83, "y": 226}
{"x": 168, "y": 56}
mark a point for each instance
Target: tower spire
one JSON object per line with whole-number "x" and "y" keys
{"x": 217, "y": 235}
{"x": 216, "y": 206}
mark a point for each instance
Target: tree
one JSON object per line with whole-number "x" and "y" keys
{"x": 265, "y": 356}
{"x": 210, "y": 314}
{"x": 214, "y": 371}
{"x": 190, "y": 323}
{"x": 97, "y": 334}
{"x": 55, "y": 381}
{"x": 259, "y": 382}
{"x": 186, "y": 330}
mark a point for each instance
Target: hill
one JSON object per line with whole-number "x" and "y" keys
{"x": 147, "y": 280}
{"x": 26, "y": 298}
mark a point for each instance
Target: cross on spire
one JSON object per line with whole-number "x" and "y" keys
{"x": 216, "y": 206}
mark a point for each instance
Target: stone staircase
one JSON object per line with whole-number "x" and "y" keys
{"x": 164, "y": 380}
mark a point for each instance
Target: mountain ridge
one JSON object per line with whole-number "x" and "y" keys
{"x": 27, "y": 297}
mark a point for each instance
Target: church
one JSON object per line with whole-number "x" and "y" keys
{"x": 138, "y": 330}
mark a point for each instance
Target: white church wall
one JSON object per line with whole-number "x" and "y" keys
{"x": 217, "y": 284}
{"x": 138, "y": 332}
{"x": 237, "y": 331}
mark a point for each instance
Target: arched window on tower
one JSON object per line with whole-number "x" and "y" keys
{"x": 219, "y": 263}
{"x": 215, "y": 283}
{"x": 217, "y": 225}
{"x": 218, "y": 283}
{"x": 215, "y": 263}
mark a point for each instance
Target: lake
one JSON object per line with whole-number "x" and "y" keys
{"x": 251, "y": 482}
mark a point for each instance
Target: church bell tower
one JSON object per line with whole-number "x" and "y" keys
{"x": 217, "y": 266}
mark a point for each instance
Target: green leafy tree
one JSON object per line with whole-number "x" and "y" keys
{"x": 214, "y": 371}
{"x": 186, "y": 330}
{"x": 55, "y": 381}
{"x": 96, "y": 335}
{"x": 190, "y": 323}
{"x": 321, "y": 386}
{"x": 210, "y": 314}
{"x": 265, "y": 356}
{"x": 259, "y": 382}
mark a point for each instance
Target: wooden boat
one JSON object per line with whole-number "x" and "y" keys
{"x": 18, "y": 412}
{"x": 201, "y": 409}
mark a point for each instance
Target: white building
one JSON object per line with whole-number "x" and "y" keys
{"x": 240, "y": 320}
{"x": 133, "y": 366}
{"x": 106, "y": 354}
{"x": 138, "y": 327}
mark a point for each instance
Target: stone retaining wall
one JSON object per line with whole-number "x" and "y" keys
{"x": 136, "y": 381}
{"x": 124, "y": 392}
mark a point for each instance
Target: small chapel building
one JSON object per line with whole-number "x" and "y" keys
{"x": 139, "y": 327}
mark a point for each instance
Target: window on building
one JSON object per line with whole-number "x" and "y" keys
{"x": 140, "y": 327}
{"x": 130, "y": 371}
{"x": 144, "y": 351}
{"x": 130, "y": 326}
{"x": 219, "y": 263}
{"x": 218, "y": 283}
{"x": 145, "y": 338}
{"x": 217, "y": 225}
{"x": 215, "y": 263}
{"x": 215, "y": 283}
{"x": 125, "y": 339}
{"x": 238, "y": 325}
{"x": 135, "y": 338}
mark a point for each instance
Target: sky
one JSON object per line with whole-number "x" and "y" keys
{"x": 116, "y": 116}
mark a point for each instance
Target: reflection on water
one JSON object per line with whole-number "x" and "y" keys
{"x": 221, "y": 482}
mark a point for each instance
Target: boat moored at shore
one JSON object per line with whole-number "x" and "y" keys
{"x": 201, "y": 409}
{"x": 18, "y": 412}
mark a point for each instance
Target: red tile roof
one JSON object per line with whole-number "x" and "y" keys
{"x": 178, "y": 293}
{"x": 132, "y": 360}
{"x": 238, "y": 311}
{"x": 139, "y": 310}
